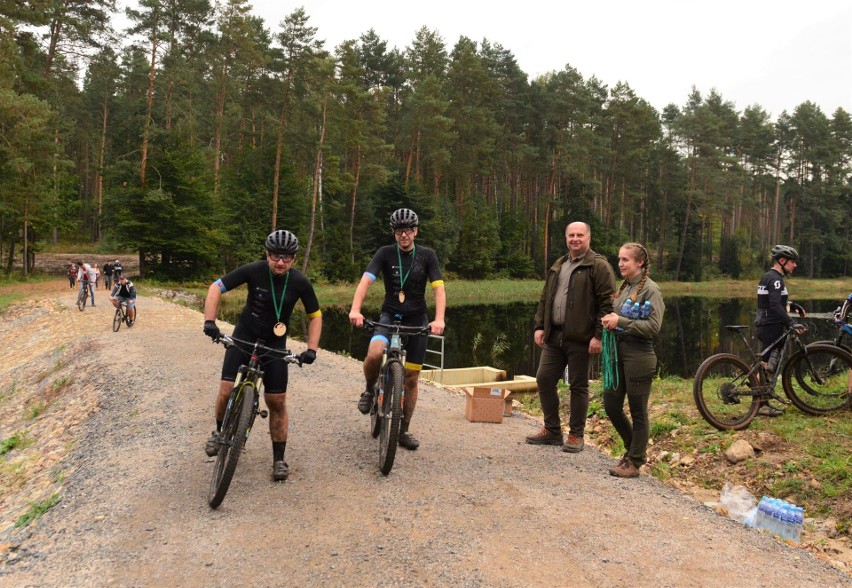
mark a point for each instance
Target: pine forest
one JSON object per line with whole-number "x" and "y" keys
{"x": 196, "y": 131}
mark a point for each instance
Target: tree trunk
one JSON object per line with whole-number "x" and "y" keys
{"x": 149, "y": 102}
{"x": 99, "y": 175}
{"x": 354, "y": 201}
{"x": 317, "y": 179}
{"x": 276, "y": 175}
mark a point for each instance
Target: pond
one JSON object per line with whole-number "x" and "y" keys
{"x": 502, "y": 336}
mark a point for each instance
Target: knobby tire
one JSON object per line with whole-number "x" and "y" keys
{"x": 234, "y": 434}
{"x": 723, "y": 395}
{"x": 82, "y": 297}
{"x": 817, "y": 380}
{"x": 391, "y": 415}
{"x": 117, "y": 319}
{"x": 375, "y": 419}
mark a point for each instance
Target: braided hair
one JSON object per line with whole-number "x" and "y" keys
{"x": 640, "y": 254}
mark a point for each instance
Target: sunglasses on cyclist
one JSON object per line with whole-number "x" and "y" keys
{"x": 280, "y": 256}
{"x": 405, "y": 231}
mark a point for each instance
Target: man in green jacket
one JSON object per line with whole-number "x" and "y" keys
{"x": 578, "y": 291}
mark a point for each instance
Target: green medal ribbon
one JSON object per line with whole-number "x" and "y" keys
{"x": 278, "y": 304}
{"x": 399, "y": 257}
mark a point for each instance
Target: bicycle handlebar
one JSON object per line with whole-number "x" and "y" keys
{"x": 398, "y": 328}
{"x": 283, "y": 354}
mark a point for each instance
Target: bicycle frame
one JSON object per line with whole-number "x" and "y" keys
{"x": 790, "y": 339}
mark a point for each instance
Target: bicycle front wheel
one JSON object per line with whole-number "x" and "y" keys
{"x": 81, "y": 299}
{"x": 725, "y": 393}
{"x": 232, "y": 440}
{"x": 375, "y": 418}
{"x": 818, "y": 379}
{"x": 117, "y": 320}
{"x": 390, "y": 412}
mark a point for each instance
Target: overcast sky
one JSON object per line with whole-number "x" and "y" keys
{"x": 775, "y": 53}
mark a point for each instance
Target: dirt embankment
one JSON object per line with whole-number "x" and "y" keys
{"x": 115, "y": 424}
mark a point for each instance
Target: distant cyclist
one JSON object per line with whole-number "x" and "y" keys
{"x": 773, "y": 317}
{"x": 117, "y": 269}
{"x": 86, "y": 278}
{"x": 125, "y": 291}
{"x": 274, "y": 287}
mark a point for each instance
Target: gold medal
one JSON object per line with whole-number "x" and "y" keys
{"x": 401, "y": 296}
{"x": 280, "y": 329}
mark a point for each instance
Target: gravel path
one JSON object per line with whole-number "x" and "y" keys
{"x": 474, "y": 506}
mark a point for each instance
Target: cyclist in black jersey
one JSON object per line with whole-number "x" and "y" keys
{"x": 274, "y": 287}
{"x": 772, "y": 311}
{"x": 406, "y": 270}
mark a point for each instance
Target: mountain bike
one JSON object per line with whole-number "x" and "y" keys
{"x": 388, "y": 395}
{"x": 122, "y": 315}
{"x": 242, "y": 408}
{"x": 816, "y": 378}
{"x": 83, "y": 295}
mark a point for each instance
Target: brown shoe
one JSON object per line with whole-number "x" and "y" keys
{"x": 620, "y": 463}
{"x": 573, "y": 444}
{"x": 625, "y": 469}
{"x": 545, "y": 437}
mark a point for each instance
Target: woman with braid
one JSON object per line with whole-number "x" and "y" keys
{"x": 637, "y": 362}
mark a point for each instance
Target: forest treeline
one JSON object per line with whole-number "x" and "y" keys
{"x": 194, "y": 132}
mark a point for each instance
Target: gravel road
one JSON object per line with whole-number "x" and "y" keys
{"x": 474, "y": 506}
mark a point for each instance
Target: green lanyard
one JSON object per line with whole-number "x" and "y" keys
{"x": 399, "y": 257}
{"x": 278, "y": 305}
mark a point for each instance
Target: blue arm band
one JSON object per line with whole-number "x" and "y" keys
{"x": 369, "y": 275}
{"x": 221, "y": 286}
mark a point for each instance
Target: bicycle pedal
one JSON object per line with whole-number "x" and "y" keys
{"x": 263, "y": 414}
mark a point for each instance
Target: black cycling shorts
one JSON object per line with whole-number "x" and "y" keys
{"x": 274, "y": 368}
{"x": 415, "y": 347}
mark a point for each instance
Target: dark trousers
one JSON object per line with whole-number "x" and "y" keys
{"x": 636, "y": 368}
{"x": 554, "y": 357}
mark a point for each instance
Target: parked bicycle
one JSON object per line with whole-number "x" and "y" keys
{"x": 816, "y": 378}
{"x": 841, "y": 322}
{"x": 389, "y": 394}
{"x": 83, "y": 295}
{"x": 242, "y": 408}
{"x": 123, "y": 316}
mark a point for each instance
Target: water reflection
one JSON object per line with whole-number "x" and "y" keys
{"x": 501, "y": 336}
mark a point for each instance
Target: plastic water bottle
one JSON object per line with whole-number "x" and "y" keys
{"x": 645, "y": 311}
{"x": 798, "y": 523}
{"x": 625, "y": 308}
{"x": 762, "y": 517}
{"x": 776, "y": 526}
{"x": 634, "y": 313}
{"x": 786, "y": 521}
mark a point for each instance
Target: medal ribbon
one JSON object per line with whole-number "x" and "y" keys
{"x": 399, "y": 257}
{"x": 278, "y": 305}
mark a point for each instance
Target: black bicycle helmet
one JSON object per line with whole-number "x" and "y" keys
{"x": 404, "y": 218}
{"x": 786, "y": 252}
{"x": 281, "y": 241}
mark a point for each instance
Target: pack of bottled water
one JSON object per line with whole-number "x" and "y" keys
{"x": 635, "y": 311}
{"x": 779, "y": 517}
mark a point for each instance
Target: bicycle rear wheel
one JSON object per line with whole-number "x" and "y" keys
{"x": 232, "y": 440}
{"x": 818, "y": 380}
{"x": 724, "y": 392}
{"x": 117, "y": 319}
{"x": 390, "y": 413}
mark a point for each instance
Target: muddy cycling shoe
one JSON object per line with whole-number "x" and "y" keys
{"x": 280, "y": 471}
{"x": 211, "y": 448}
{"x": 768, "y": 410}
{"x": 408, "y": 441}
{"x": 365, "y": 402}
